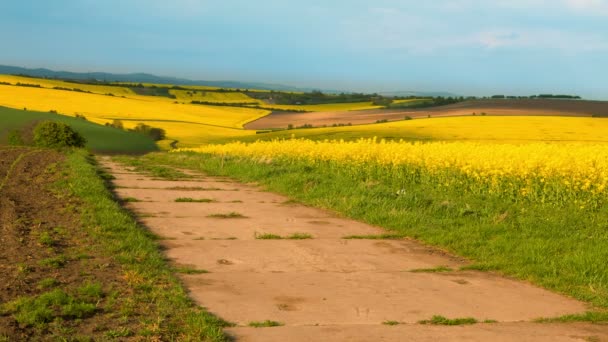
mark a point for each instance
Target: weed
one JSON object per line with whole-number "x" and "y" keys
{"x": 197, "y": 200}
{"x": 227, "y": 216}
{"x": 267, "y": 236}
{"x": 299, "y": 236}
{"x": 589, "y": 316}
{"x": 391, "y": 323}
{"x": 45, "y": 239}
{"x": 91, "y": 291}
{"x": 440, "y": 320}
{"x": 122, "y": 332}
{"x": 47, "y": 283}
{"x": 265, "y": 324}
{"x": 37, "y": 311}
{"x": 55, "y": 262}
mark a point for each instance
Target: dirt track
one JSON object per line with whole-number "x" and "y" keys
{"x": 490, "y": 107}
{"x": 328, "y": 288}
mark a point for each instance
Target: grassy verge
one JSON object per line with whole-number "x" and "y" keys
{"x": 155, "y": 290}
{"x": 563, "y": 250}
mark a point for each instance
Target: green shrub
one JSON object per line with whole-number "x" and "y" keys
{"x": 57, "y": 135}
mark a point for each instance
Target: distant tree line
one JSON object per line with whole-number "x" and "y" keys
{"x": 253, "y": 105}
{"x": 311, "y": 98}
{"x": 73, "y": 89}
{"x": 19, "y": 84}
{"x": 541, "y": 96}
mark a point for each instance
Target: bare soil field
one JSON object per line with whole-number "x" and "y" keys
{"x": 489, "y": 107}
{"x": 44, "y": 248}
{"x": 258, "y": 259}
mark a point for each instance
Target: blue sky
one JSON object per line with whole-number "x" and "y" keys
{"x": 469, "y": 47}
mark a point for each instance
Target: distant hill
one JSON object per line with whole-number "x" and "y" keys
{"x": 149, "y": 78}
{"x": 141, "y": 78}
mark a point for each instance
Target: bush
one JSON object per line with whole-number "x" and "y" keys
{"x": 57, "y": 135}
{"x": 153, "y": 132}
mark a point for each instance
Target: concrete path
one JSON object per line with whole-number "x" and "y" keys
{"x": 328, "y": 288}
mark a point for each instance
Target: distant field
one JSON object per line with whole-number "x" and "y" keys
{"x": 490, "y": 107}
{"x": 194, "y": 120}
{"x": 330, "y": 107}
{"x": 211, "y": 96}
{"x": 99, "y": 138}
{"x": 50, "y": 83}
{"x": 477, "y": 128}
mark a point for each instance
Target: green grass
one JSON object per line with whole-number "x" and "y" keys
{"x": 46, "y": 239}
{"x": 156, "y": 290}
{"x": 54, "y": 262}
{"x": 265, "y": 324}
{"x": 47, "y": 283}
{"x": 294, "y": 236}
{"x": 595, "y": 317}
{"x": 440, "y": 320}
{"x": 391, "y": 323}
{"x": 560, "y": 249}
{"x": 268, "y": 236}
{"x": 99, "y": 138}
{"x": 231, "y": 215}
{"x": 130, "y": 199}
{"x": 45, "y": 308}
{"x": 438, "y": 269}
{"x": 299, "y": 236}
{"x": 193, "y": 200}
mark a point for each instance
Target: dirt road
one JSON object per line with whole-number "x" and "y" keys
{"x": 327, "y": 288}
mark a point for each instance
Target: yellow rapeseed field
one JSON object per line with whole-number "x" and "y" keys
{"x": 515, "y": 129}
{"x": 50, "y": 83}
{"x": 187, "y": 123}
{"x": 544, "y": 172}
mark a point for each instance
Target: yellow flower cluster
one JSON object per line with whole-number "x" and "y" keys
{"x": 539, "y": 171}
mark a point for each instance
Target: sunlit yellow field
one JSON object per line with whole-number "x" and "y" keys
{"x": 537, "y": 171}
{"x": 50, "y": 83}
{"x": 195, "y": 120}
{"x": 516, "y": 129}
{"x": 406, "y": 101}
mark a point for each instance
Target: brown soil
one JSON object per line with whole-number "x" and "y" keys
{"x": 328, "y": 288}
{"x": 31, "y": 206}
{"x": 490, "y": 107}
